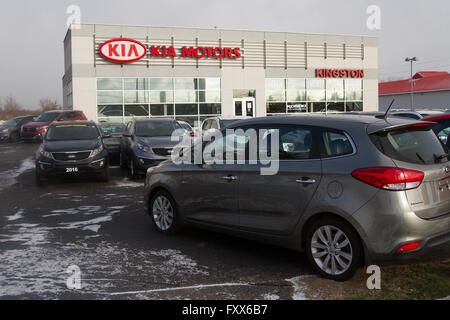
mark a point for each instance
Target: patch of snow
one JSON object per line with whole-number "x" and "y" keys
{"x": 18, "y": 215}
{"x": 299, "y": 289}
{"x": 9, "y": 177}
{"x": 127, "y": 183}
{"x": 271, "y": 296}
{"x": 81, "y": 224}
{"x": 93, "y": 228}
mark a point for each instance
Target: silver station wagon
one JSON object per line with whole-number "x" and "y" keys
{"x": 348, "y": 191}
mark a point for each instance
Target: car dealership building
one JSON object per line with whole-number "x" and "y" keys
{"x": 115, "y": 72}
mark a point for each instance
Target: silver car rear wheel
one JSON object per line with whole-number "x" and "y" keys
{"x": 331, "y": 250}
{"x": 163, "y": 213}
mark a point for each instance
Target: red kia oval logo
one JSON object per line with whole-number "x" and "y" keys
{"x": 122, "y": 50}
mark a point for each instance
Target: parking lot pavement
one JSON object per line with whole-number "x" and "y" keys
{"x": 102, "y": 229}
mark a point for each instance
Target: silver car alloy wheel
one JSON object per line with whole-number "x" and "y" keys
{"x": 162, "y": 213}
{"x": 331, "y": 250}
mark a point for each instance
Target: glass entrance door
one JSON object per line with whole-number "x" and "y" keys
{"x": 244, "y": 106}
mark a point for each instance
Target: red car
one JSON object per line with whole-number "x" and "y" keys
{"x": 34, "y": 131}
{"x": 442, "y": 129}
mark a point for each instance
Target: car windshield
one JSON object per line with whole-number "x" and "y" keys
{"x": 225, "y": 123}
{"x": 413, "y": 145}
{"x": 154, "y": 128}
{"x": 47, "y": 117}
{"x": 11, "y": 122}
{"x": 185, "y": 125}
{"x": 112, "y": 128}
{"x": 72, "y": 132}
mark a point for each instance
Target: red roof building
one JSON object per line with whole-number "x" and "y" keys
{"x": 431, "y": 89}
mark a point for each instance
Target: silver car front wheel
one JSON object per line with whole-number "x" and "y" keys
{"x": 163, "y": 213}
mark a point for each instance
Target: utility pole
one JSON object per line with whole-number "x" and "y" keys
{"x": 411, "y": 60}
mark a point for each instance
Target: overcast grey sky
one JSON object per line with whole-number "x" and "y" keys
{"x": 32, "y": 31}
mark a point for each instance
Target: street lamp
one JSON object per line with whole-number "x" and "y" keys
{"x": 413, "y": 59}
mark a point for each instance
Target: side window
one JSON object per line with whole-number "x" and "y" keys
{"x": 231, "y": 145}
{"x": 63, "y": 116}
{"x": 294, "y": 143}
{"x": 206, "y": 125}
{"x": 336, "y": 143}
{"x": 214, "y": 124}
{"x": 442, "y": 130}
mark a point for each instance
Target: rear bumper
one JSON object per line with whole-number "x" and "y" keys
{"x": 386, "y": 223}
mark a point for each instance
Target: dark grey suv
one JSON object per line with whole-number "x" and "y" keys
{"x": 349, "y": 190}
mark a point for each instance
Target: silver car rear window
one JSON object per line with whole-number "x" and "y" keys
{"x": 413, "y": 145}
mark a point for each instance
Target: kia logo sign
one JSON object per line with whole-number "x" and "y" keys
{"x": 122, "y": 50}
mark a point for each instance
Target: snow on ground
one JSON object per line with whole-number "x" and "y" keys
{"x": 18, "y": 215}
{"x": 9, "y": 177}
{"x": 299, "y": 288}
{"x": 127, "y": 183}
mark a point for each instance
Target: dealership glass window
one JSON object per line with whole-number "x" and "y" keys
{"x": 335, "y": 90}
{"x": 315, "y": 90}
{"x": 335, "y": 107}
{"x": 109, "y": 84}
{"x": 110, "y": 111}
{"x": 161, "y": 109}
{"x": 136, "y": 110}
{"x": 317, "y": 107}
{"x": 186, "y": 109}
{"x": 161, "y": 96}
{"x": 210, "y": 108}
{"x": 209, "y": 83}
{"x": 276, "y": 107}
{"x": 275, "y": 95}
{"x": 353, "y": 90}
{"x": 135, "y": 84}
{"x": 185, "y": 83}
{"x": 136, "y": 96}
{"x": 161, "y": 83}
{"x": 106, "y": 97}
{"x": 296, "y": 89}
{"x": 354, "y": 106}
{"x": 209, "y": 96}
{"x": 185, "y": 96}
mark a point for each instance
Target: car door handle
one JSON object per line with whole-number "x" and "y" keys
{"x": 229, "y": 178}
{"x": 306, "y": 181}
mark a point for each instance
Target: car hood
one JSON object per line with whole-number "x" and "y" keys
{"x": 70, "y": 145}
{"x": 36, "y": 124}
{"x": 158, "y": 142}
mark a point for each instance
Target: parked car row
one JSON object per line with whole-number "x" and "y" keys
{"x": 349, "y": 189}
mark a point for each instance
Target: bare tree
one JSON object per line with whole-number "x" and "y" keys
{"x": 11, "y": 108}
{"x": 49, "y": 104}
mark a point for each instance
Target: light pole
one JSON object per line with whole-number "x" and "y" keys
{"x": 413, "y": 59}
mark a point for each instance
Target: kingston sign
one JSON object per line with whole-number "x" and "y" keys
{"x": 339, "y": 73}
{"x": 123, "y": 50}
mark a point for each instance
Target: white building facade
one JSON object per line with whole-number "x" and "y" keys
{"x": 114, "y": 73}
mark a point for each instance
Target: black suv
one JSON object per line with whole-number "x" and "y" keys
{"x": 72, "y": 149}
{"x": 147, "y": 142}
{"x": 10, "y": 130}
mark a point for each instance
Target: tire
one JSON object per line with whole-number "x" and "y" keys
{"x": 14, "y": 137}
{"x": 123, "y": 164}
{"x": 338, "y": 261}
{"x": 133, "y": 170}
{"x": 40, "y": 182}
{"x": 104, "y": 176}
{"x": 164, "y": 213}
